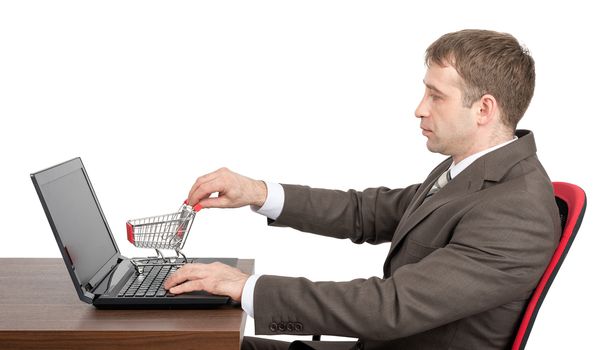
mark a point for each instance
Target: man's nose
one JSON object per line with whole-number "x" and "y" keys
{"x": 421, "y": 111}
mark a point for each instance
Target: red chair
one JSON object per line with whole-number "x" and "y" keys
{"x": 571, "y": 202}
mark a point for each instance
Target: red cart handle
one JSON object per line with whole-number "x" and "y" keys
{"x": 196, "y": 207}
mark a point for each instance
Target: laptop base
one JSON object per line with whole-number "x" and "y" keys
{"x": 112, "y": 299}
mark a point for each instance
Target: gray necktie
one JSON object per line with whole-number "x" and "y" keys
{"x": 440, "y": 183}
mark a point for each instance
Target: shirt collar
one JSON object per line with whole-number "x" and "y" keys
{"x": 455, "y": 169}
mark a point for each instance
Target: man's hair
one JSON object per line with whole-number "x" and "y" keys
{"x": 489, "y": 63}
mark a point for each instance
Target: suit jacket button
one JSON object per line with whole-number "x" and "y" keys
{"x": 298, "y": 326}
{"x": 273, "y": 327}
{"x": 281, "y": 326}
{"x": 290, "y": 326}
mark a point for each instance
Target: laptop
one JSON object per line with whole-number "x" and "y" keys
{"x": 101, "y": 275}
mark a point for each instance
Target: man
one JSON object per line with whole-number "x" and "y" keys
{"x": 468, "y": 245}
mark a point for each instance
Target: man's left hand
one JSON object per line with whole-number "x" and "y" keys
{"x": 215, "y": 278}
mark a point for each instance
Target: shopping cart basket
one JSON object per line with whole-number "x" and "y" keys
{"x": 167, "y": 231}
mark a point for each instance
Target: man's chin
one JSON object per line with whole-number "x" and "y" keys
{"x": 431, "y": 147}
{"x": 435, "y": 148}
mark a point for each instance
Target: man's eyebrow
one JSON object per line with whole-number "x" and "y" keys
{"x": 432, "y": 87}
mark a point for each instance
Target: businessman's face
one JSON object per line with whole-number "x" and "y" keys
{"x": 449, "y": 126}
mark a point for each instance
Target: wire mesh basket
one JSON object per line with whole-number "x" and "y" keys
{"x": 168, "y": 231}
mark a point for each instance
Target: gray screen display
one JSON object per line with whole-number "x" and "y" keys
{"x": 79, "y": 223}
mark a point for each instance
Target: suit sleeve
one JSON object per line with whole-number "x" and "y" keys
{"x": 369, "y": 216}
{"x": 482, "y": 267}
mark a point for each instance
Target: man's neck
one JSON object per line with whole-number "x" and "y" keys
{"x": 494, "y": 140}
{"x": 457, "y": 167}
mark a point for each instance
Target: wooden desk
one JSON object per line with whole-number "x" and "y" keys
{"x": 51, "y": 316}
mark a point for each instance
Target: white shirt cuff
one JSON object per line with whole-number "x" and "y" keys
{"x": 274, "y": 201}
{"x": 248, "y": 291}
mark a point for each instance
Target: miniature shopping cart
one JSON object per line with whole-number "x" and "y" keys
{"x": 167, "y": 231}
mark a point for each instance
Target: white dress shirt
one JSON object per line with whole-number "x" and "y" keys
{"x": 276, "y": 198}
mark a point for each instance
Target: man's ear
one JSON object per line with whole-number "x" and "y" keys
{"x": 488, "y": 109}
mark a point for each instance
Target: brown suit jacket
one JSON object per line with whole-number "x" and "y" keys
{"x": 460, "y": 268}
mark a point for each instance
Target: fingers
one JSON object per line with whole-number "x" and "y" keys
{"x": 204, "y": 191}
{"x": 229, "y": 186}
{"x": 216, "y": 202}
{"x": 234, "y": 190}
{"x": 215, "y": 278}
{"x": 215, "y": 182}
{"x": 186, "y": 279}
{"x": 204, "y": 180}
{"x": 186, "y": 287}
{"x": 183, "y": 274}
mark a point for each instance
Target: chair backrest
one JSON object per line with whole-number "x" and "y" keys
{"x": 571, "y": 202}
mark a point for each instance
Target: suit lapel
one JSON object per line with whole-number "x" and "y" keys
{"x": 422, "y": 192}
{"x": 470, "y": 180}
{"x": 490, "y": 167}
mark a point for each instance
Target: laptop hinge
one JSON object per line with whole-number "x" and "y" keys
{"x": 90, "y": 288}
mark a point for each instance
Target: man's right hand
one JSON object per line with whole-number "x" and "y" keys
{"x": 234, "y": 190}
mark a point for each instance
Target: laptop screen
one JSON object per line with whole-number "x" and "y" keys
{"x": 79, "y": 222}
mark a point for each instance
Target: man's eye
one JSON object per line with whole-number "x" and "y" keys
{"x": 435, "y": 97}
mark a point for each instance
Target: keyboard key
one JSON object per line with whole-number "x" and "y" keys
{"x": 150, "y": 283}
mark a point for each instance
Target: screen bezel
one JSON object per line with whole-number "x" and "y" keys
{"x": 43, "y": 177}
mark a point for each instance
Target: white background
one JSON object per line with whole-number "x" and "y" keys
{"x": 152, "y": 94}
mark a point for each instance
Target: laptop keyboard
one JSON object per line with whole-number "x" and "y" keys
{"x": 150, "y": 283}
